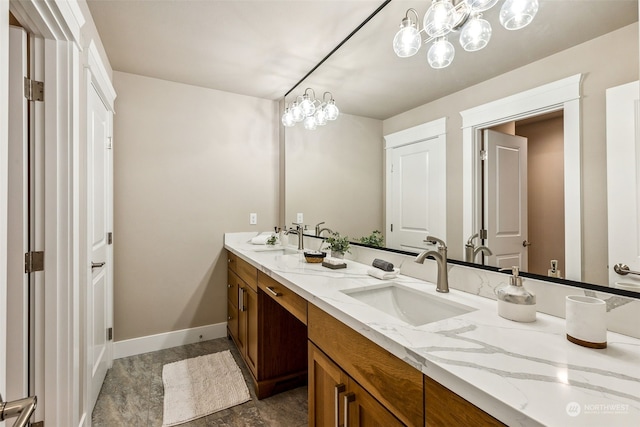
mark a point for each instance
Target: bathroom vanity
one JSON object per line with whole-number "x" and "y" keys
{"x": 369, "y": 367}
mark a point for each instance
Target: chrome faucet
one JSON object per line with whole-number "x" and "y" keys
{"x": 299, "y": 232}
{"x": 442, "y": 284}
{"x": 471, "y": 251}
{"x": 320, "y": 230}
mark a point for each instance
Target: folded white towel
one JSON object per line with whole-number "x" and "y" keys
{"x": 261, "y": 239}
{"x": 383, "y": 275}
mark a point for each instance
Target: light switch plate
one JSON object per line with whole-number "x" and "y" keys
{"x": 253, "y": 218}
{"x": 299, "y": 218}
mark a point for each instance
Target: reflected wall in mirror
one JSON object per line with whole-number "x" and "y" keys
{"x": 371, "y": 84}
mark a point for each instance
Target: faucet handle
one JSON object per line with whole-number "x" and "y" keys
{"x": 435, "y": 240}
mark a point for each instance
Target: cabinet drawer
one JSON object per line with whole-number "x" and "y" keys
{"x": 394, "y": 383}
{"x": 445, "y": 408}
{"x": 244, "y": 270}
{"x": 291, "y": 301}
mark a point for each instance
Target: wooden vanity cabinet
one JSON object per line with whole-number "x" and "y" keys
{"x": 444, "y": 408}
{"x": 271, "y": 340}
{"x": 380, "y": 381}
{"x": 336, "y": 399}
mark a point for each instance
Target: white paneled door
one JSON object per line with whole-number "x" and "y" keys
{"x": 99, "y": 197}
{"x": 418, "y": 199}
{"x": 623, "y": 180}
{"x": 505, "y": 199}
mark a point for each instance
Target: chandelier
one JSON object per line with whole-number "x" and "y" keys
{"x": 310, "y": 111}
{"x": 465, "y": 16}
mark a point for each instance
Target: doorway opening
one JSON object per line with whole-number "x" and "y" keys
{"x": 522, "y": 187}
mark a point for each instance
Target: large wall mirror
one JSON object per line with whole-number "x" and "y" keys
{"x": 338, "y": 173}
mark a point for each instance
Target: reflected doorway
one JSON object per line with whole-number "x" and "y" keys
{"x": 526, "y": 226}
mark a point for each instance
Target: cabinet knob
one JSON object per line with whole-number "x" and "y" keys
{"x": 229, "y": 317}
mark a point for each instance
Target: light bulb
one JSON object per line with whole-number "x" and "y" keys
{"x": 310, "y": 123}
{"x": 308, "y": 108}
{"x": 407, "y": 40}
{"x": 287, "y": 118}
{"x": 332, "y": 110}
{"x": 296, "y": 112}
{"x": 441, "y": 53}
{"x": 481, "y": 5}
{"x": 517, "y": 14}
{"x": 438, "y": 20}
{"x": 475, "y": 34}
{"x": 320, "y": 116}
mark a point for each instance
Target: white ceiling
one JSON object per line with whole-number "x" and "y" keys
{"x": 262, "y": 48}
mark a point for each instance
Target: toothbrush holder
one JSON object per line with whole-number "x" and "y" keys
{"x": 586, "y": 321}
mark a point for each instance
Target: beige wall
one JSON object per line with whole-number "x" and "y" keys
{"x": 545, "y": 176}
{"x": 334, "y": 174}
{"x": 189, "y": 165}
{"x": 607, "y": 61}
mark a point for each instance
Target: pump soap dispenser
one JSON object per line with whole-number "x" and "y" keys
{"x": 514, "y": 301}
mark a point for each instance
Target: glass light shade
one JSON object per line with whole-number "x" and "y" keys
{"x": 475, "y": 34}
{"x": 308, "y": 107}
{"x": 516, "y": 14}
{"x": 407, "y": 40}
{"x": 310, "y": 123}
{"x": 438, "y": 20}
{"x": 332, "y": 110}
{"x": 320, "y": 116}
{"x": 296, "y": 112}
{"x": 441, "y": 53}
{"x": 287, "y": 118}
{"x": 481, "y": 5}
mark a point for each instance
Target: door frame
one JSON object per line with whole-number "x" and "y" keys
{"x": 4, "y": 179}
{"x": 58, "y": 24}
{"x": 563, "y": 95}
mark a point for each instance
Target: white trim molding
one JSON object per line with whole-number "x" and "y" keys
{"x": 166, "y": 340}
{"x": 418, "y": 133}
{"x": 563, "y": 95}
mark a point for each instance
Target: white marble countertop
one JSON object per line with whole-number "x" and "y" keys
{"x": 521, "y": 373}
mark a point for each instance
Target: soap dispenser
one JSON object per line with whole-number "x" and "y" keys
{"x": 514, "y": 301}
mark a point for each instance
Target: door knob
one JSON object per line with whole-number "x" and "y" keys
{"x": 526, "y": 243}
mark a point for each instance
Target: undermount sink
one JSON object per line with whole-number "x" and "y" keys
{"x": 276, "y": 250}
{"x": 407, "y": 304}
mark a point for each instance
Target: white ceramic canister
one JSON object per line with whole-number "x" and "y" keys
{"x": 586, "y": 321}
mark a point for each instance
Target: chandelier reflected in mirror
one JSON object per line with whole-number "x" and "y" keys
{"x": 310, "y": 111}
{"x": 464, "y": 16}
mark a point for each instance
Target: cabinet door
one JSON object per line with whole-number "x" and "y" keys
{"x": 362, "y": 410}
{"x": 232, "y": 321}
{"x": 251, "y": 355}
{"x": 241, "y": 342}
{"x": 327, "y": 386}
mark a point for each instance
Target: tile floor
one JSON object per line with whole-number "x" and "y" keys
{"x": 132, "y": 394}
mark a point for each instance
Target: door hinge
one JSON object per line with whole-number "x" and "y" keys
{"x": 33, "y": 261}
{"x": 109, "y": 142}
{"x": 483, "y": 155}
{"x": 482, "y": 234}
{"x": 33, "y": 90}
{"x": 109, "y": 334}
{"x": 109, "y": 238}
{"x": 391, "y": 227}
{"x": 38, "y": 424}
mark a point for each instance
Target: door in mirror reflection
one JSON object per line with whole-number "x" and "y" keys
{"x": 523, "y": 193}
{"x": 623, "y": 183}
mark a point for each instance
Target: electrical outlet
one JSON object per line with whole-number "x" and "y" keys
{"x": 253, "y": 218}
{"x": 299, "y": 218}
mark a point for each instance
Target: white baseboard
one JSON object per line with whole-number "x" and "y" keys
{"x": 166, "y": 340}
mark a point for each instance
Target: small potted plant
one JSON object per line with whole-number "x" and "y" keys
{"x": 338, "y": 244}
{"x": 375, "y": 239}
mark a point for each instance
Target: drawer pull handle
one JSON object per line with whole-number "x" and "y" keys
{"x": 348, "y": 398}
{"x": 273, "y": 291}
{"x": 241, "y": 306}
{"x": 340, "y": 388}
